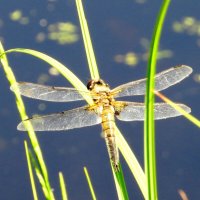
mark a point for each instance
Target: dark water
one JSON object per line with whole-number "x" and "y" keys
{"x": 121, "y": 31}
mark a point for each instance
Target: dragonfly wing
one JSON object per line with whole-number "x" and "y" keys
{"x": 133, "y": 111}
{"x": 47, "y": 93}
{"x": 76, "y": 118}
{"x": 163, "y": 80}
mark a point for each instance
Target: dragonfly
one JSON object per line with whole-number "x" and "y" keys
{"x": 105, "y": 108}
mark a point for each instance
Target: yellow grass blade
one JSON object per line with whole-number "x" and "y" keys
{"x": 87, "y": 41}
{"x": 190, "y": 117}
{"x": 35, "y": 197}
{"x": 63, "y": 186}
{"x": 69, "y": 75}
{"x": 132, "y": 162}
{"x": 21, "y": 108}
{"x": 89, "y": 183}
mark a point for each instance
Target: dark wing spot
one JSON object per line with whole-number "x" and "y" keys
{"x": 117, "y": 112}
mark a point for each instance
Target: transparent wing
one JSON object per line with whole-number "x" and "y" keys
{"x": 133, "y": 111}
{"x": 48, "y": 93}
{"x": 163, "y": 80}
{"x": 76, "y": 118}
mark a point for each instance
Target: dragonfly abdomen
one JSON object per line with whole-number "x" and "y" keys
{"x": 108, "y": 126}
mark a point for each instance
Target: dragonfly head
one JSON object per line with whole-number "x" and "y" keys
{"x": 96, "y": 83}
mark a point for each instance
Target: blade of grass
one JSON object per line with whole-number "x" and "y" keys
{"x": 63, "y": 186}
{"x": 89, "y": 183}
{"x": 95, "y": 75}
{"x": 38, "y": 172}
{"x": 87, "y": 41}
{"x": 117, "y": 185}
{"x": 35, "y": 196}
{"x": 149, "y": 130}
{"x": 119, "y": 180}
{"x": 120, "y": 183}
{"x": 60, "y": 67}
{"x": 190, "y": 117}
{"x": 132, "y": 162}
{"x": 21, "y": 108}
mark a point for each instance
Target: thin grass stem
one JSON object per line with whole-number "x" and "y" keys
{"x": 149, "y": 130}
{"x": 87, "y": 41}
{"x": 21, "y": 108}
{"x": 69, "y": 75}
{"x": 132, "y": 162}
{"x": 35, "y": 196}
{"x": 95, "y": 75}
{"x": 89, "y": 183}
{"x": 63, "y": 187}
{"x": 120, "y": 183}
{"x": 190, "y": 117}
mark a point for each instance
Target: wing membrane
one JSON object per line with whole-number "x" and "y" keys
{"x": 133, "y": 111}
{"x": 48, "y": 93}
{"x": 163, "y": 80}
{"x": 76, "y": 118}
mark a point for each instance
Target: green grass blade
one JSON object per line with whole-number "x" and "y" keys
{"x": 149, "y": 138}
{"x": 120, "y": 184}
{"x": 87, "y": 41}
{"x": 39, "y": 174}
{"x": 132, "y": 162}
{"x": 61, "y": 68}
{"x": 190, "y": 117}
{"x": 35, "y": 196}
{"x": 95, "y": 75}
{"x": 89, "y": 183}
{"x": 118, "y": 187}
{"x": 63, "y": 186}
{"x": 21, "y": 108}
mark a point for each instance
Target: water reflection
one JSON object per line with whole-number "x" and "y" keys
{"x": 189, "y": 25}
{"x": 17, "y": 16}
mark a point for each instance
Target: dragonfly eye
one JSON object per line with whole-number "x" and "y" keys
{"x": 90, "y": 84}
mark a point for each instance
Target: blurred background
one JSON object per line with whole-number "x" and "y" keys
{"x": 121, "y": 33}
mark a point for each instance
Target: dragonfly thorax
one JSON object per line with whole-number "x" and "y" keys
{"x": 102, "y": 97}
{"x": 98, "y": 85}
{"x": 100, "y": 92}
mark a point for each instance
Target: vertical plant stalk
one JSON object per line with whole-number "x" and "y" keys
{"x": 90, "y": 184}
{"x": 95, "y": 74}
{"x": 149, "y": 130}
{"x": 21, "y": 108}
{"x": 63, "y": 187}
{"x": 87, "y": 41}
{"x": 132, "y": 162}
{"x": 35, "y": 197}
{"x": 121, "y": 189}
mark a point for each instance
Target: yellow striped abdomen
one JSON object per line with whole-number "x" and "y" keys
{"x": 108, "y": 126}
